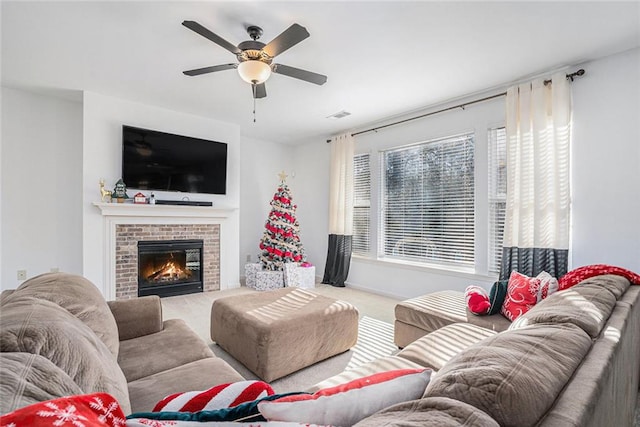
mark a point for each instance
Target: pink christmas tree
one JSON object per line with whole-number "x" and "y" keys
{"x": 280, "y": 242}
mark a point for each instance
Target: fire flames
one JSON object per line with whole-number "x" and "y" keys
{"x": 169, "y": 272}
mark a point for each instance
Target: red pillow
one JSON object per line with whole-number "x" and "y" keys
{"x": 524, "y": 292}
{"x": 583, "y": 273}
{"x": 98, "y": 409}
{"x": 477, "y": 300}
{"x": 521, "y": 295}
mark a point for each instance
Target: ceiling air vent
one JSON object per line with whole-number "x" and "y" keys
{"x": 339, "y": 115}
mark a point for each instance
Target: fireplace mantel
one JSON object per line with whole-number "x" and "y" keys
{"x": 132, "y": 209}
{"x": 115, "y": 214}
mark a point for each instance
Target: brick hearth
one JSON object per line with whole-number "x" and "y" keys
{"x": 126, "y": 242}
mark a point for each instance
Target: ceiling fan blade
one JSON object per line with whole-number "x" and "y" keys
{"x": 194, "y": 26}
{"x": 259, "y": 91}
{"x": 297, "y": 73}
{"x": 206, "y": 70}
{"x": 289, "y": 37}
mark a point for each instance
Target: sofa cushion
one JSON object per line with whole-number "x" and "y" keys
{"x": 430, "y": 412}
{"x": 27, "y": 378}
{"x": 201, "y": 374}
{"x": 437, "y": 309}
{"x": 175, "y": 345}
{"x": 514, "y": 376}
{"x": 41, "y": 327}
{"x": 437, "y": 348}
{"x": 616, "y": 284}
{"x": 79, "y": 297}
{"x": 587, "y": 306}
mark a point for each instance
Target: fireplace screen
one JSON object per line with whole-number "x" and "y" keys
{"x": 170, "y": 267}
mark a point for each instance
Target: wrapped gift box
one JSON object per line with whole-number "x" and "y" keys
{"x": 298, "y": 276}
{"x": 268, "y": 280}
{"x": 250, "y": 271}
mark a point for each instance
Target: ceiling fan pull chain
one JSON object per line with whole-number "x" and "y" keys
{"x": 254, "y": 88}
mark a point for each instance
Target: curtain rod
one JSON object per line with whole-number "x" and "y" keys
{"x": 570, "y": 76}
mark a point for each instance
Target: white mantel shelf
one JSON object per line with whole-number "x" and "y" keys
{"x": 132, "y": 209}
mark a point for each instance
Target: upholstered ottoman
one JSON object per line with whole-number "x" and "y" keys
{"x": 275, "y": 333}
{"x": 416, "y": 317}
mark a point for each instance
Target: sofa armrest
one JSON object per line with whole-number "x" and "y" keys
{"x": 137, "y": 317}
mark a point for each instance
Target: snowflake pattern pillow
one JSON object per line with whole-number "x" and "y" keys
{"x": 524, "y": 292}
{"x": 89, "y": 410}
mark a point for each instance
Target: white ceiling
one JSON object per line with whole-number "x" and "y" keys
{"x": 382, "y": 58}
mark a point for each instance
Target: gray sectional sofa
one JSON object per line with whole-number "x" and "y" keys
{"x": 572, "y": 360}
{"x": 58, "y": 337}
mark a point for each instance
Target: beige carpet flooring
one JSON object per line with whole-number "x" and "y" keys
{"x": 375, "y": 334}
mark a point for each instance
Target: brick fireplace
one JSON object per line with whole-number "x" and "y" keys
{"x": 125, "y": 224}
{"x": 128, "y": 236}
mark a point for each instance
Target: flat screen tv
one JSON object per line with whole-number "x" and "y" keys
{"x": 160, "y": 161}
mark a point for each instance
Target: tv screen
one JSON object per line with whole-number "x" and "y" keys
{"x": 153, "y": 160}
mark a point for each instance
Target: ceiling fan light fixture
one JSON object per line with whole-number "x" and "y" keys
{"x": 254, "y": 71}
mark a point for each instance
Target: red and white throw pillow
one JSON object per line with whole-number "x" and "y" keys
{"x": 576, "y": 276}
{"x": 218, "y": 397}
{"x": 524, "y": 292}
{"x": 97, "y": 409}
{"x": 477, "y": 300}
{"x": 346, "y": 404}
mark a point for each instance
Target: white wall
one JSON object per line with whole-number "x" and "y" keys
{"x": 312, "y": 198}
{"x": 103, "y": 118}
{"x": 41, "y": 184}
{"x": 606, "y": 163}
{"x": 262, "y": 161}
{"x": 605, "y": 180}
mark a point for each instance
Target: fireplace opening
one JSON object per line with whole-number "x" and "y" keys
{"x": 169, "y": 267}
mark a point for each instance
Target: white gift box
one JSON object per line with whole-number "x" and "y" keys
{"x": 300, "y": 277}
{"x": 268, "y": 280}
{"x": 250, "y": 271}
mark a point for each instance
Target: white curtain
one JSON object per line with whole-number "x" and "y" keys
{"x": 341, "y": 185}
{"x": 340, "y": 210}
{"x": 536, "y": 235}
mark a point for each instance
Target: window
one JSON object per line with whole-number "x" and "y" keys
{"x": 497, "y": 195}
{"x": 428, "y": 202}
{"x": 361, "y": 203}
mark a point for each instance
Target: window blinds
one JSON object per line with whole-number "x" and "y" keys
{"x": 361, "y": 203}
{"x": 497, "y": 195}
{"x": 428, "y": 202}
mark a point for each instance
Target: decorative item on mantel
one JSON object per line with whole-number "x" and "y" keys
{"x": 120, "y": 191}
{"x": 280, "y": 244}
{"x": 105, "y": 195}
{"x": 140, "y": 199}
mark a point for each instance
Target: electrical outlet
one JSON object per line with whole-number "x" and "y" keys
{"x": 22, "y": 274}
{"x": 248, "y": 257}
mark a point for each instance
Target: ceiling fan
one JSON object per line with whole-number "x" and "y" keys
{"x": 255, "y": 59}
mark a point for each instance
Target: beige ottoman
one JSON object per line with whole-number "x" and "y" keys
{"x": 416, "y": 317}
{"x": 275, "y": 333}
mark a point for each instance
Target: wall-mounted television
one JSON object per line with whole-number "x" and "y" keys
{"x": 153, "y": 160}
